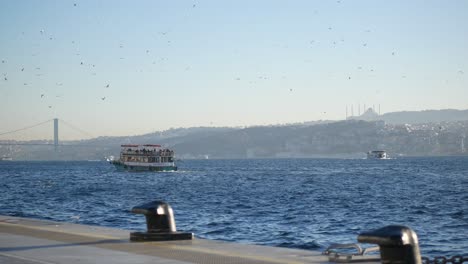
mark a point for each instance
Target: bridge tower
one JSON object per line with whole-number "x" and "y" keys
{"x": 56, "y": 140}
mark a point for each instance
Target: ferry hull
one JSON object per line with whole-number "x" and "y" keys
{"x": 138, "y": 167}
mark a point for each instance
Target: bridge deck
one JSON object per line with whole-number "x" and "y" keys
{"x": 32, "y": 241}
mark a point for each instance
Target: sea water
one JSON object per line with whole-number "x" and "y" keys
{"x": 297, "y": 203}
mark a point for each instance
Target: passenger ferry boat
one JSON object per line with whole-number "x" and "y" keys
{"x": 145, "y": 158}
{"x": 377, "y": 154}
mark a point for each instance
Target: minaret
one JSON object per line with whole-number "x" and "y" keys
{"x": 463, "y": 144}
{"x": 56, "y": 140}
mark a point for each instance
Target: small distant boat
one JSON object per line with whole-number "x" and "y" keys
{"x": 147, "y": 157}
{"x": 6, "y": 158}
{"x": 377, "y": 154}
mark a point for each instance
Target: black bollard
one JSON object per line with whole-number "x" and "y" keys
{"x": 160, "y": 223}
{"x": 398, "y": 244}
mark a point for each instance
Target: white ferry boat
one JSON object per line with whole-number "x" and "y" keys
{"x": 377, "y": 154}
{"x": 145, "y": 158}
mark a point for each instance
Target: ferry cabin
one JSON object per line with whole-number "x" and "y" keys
{"x": 377, "y": 154}
{"x": 146, "y": 154}
{"x": 145, "y": 158}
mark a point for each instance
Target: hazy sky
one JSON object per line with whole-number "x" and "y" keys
{"x": 223, "y": 63}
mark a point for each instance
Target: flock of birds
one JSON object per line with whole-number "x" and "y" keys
{"x": 43, "y": 95}
{"x": 43, "y": 32}
{"x": 147, "y": 51}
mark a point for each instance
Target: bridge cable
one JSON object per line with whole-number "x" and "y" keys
{"x": 24, "y": 128}
{"x": 77, "y": 129}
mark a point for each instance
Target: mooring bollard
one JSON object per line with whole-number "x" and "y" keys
{"x": 398, "y": 244}
{"x": 160, "y": 223}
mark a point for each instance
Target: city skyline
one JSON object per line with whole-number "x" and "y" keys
{"x": 126, "y": 68}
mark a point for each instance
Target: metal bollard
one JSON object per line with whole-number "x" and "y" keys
{"x": 160, "y": 223}
{"x": 398, "y": 244}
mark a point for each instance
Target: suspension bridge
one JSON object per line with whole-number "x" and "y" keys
{"x": 55, "y": 143}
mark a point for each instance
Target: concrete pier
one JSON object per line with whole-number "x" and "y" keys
{"x": 32, "y": 241}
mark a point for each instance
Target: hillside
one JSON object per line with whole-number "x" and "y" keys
{"x": 415, "y": 117}
{"x": 345, "y": 139}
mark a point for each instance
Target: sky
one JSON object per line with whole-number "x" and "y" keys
{"x": 122, "y": 68}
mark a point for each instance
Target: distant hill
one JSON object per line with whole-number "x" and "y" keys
{"x": 427, "y": 116}
{"x": 415, "y": 117}
{"x": 425, "y": 133}
{"x": 343, "y": 139}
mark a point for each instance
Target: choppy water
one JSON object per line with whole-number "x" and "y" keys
{"x": 298, "y": 203}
